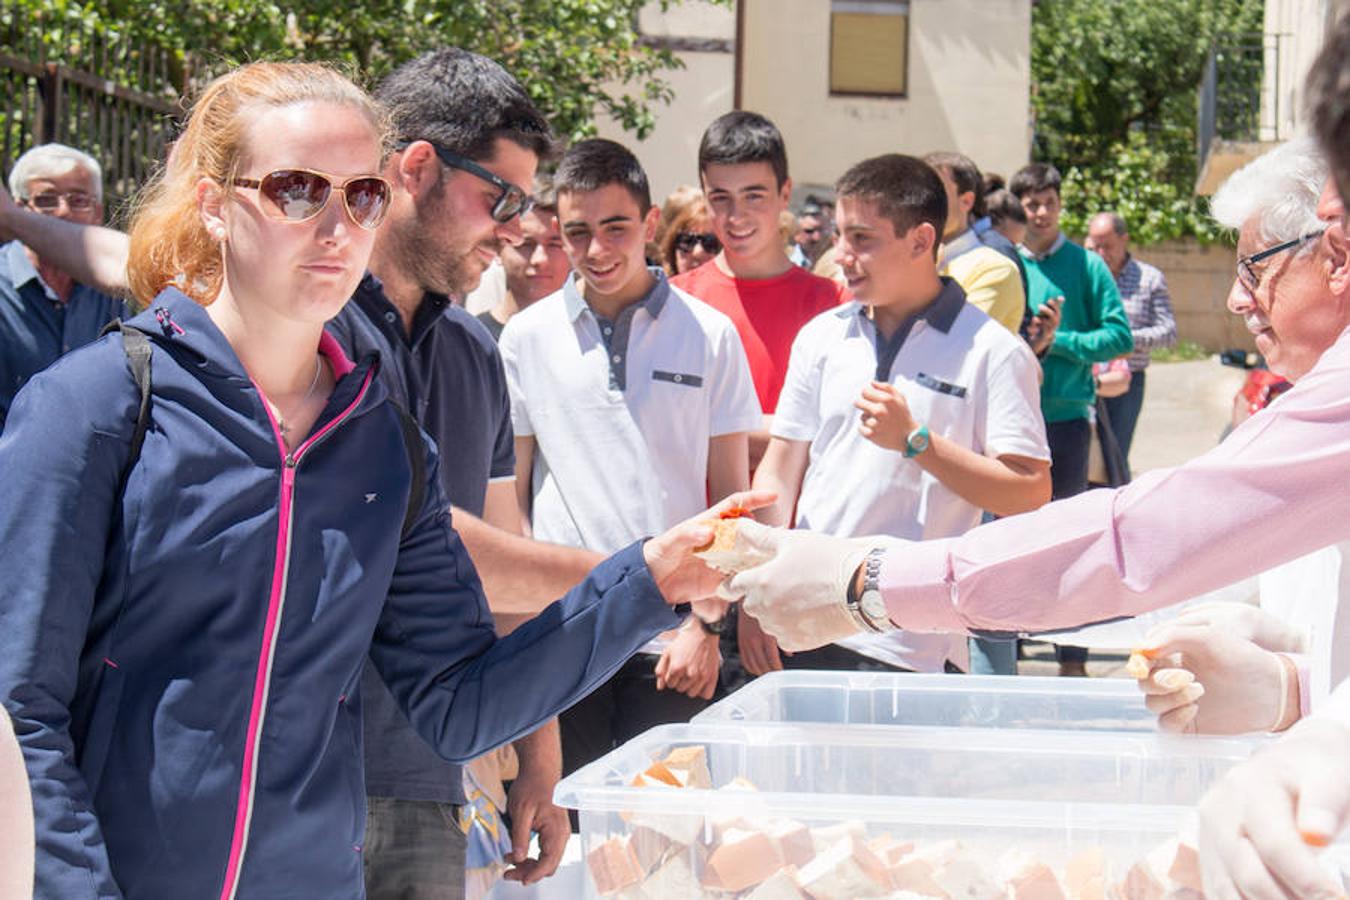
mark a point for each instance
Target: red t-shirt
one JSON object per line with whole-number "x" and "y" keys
{"x": 768, "y": 313}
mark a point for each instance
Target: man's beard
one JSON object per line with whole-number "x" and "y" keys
{"x": 437, "y": 266}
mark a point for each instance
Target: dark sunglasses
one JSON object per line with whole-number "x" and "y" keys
{"x": 511, "y": 202}
{"x": 686, "y": 241}
{"x": 298, "y": 195}
{"x": 76, "y": 201}
{"x": 1247, "y": 274}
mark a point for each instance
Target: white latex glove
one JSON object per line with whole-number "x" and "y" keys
{"x": 800, "y": 594}
{"x": 1247, "y": 621}
{"x": 1260, "y": 823}
{"x": 1204, "y": 679}
{"x": 680, "y": 575}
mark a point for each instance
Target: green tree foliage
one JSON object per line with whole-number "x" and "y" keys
{"x": 579, "y": 59}
{"x": 1114, "y": 96}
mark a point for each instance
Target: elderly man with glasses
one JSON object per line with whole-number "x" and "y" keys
{"x": 44, "y": 312}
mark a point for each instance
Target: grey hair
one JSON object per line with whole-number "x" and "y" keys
{"x": 1117, "y": 222}
{"x": 53, "y": 161}
{"x": 1280, "y": 188}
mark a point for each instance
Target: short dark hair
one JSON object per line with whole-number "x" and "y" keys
{"x": 592, "y": 164}
{"x": 905, "y": 190}
{"x": 545, "y": 197}
{"x": 744, "y": 137}
{"x": 1033, "y": 178}
{"x": 1328, "y": 92}
{"x": 463, "y": 102}
{"x": 1001, "y": 206}
{"x": 964, "y": 173}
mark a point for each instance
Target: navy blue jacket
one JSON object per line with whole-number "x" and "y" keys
{"x": 181, "y": 661}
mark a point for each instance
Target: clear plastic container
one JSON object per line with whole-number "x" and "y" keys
{"x": 986, "y": 701}
{"x": 1007, "y": 796}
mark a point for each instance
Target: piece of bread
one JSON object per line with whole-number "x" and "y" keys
{"x": 614, "y": 866}
{"x": 845, "y": 870}
{"x": 726, "y": 552}
{"x": 1137, "y": 666}
{"x": 741, "y": 861}
{"x": 689, "y": 766}
{"x": 1085, "y": 875}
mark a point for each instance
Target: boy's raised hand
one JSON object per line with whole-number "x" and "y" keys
{"x": 886, "y": 419}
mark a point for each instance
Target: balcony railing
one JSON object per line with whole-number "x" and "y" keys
{"x": 1240, "y": 91}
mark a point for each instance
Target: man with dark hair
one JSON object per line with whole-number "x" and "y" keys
{"x": 631, "y": 402}
{"x": 1093, "y": 328}
{"x": 743, "y": 168}
{"x": 456, "y": 201}
{"x": 991, "y": 280}
{"x": 950, "y": 420}
{"x": 815, "y": 232}
{"x": 534, "y": 268}
{"x": 1143, "y": 291}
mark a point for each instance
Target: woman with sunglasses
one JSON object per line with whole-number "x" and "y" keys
{"x": 689, "y": 242}
{"x": 186, "y": 624}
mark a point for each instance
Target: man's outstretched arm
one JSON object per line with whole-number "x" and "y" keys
{"x": 91, "y": 254}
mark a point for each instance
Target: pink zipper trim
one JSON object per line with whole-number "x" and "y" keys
{"x": 276, "y": 602}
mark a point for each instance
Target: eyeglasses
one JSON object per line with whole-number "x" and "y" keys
{"x": 511, "y": 202}
{"x": 1250, "y": 278}
{"x": 686, "y": 241}
{"x": 76, "y": 201}
{"x": 298, "y": 195}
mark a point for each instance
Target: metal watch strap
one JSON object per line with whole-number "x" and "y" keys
{"x": 871, "y": 566}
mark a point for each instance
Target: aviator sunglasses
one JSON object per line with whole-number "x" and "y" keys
{"x": 511, "y": 202}
{"x": 298, "y": 195}
{"x": 686, "y": 241}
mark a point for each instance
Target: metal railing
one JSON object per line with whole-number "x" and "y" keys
{"x": 72, "y": 82}
{"x": 1240, "y": 91}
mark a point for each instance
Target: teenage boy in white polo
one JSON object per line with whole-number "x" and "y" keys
{"x": 631, "y": 403}
{"x": 906, "y": 412}
{"x": 743, "y": 167}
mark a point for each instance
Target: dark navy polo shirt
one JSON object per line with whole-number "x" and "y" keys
{"x": 448, "y": 374}
{"x": 36, "y": 330}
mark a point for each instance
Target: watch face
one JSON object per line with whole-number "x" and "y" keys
{"x": 920, "y": 441}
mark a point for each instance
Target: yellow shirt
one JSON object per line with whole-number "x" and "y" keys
{"x": 991, "y": 283}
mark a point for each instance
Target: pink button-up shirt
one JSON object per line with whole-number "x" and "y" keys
{"x": 1276, "y": 489}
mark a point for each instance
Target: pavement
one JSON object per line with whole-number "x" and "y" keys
{"x": 1186, "y": 406}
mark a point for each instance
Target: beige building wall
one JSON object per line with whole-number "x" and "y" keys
{"x": 969, "y": 83}
{"x": 704, "y": 89}
{"x": 1294, "y": 31}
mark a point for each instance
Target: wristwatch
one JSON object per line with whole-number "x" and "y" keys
{"x": 917, "y": 441}
{"x": 868, "y": 609}
{"x": 713, "y": 627}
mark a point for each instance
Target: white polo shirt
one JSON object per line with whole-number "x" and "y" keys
{"x": 621, "y": 420}
{"x": 962, "y": 374}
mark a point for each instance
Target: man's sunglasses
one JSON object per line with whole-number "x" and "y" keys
{"x": 298, "y": 195}
{"x": 511, "y": 202}
{"x": 76, "y": 201}
{"x": 1247, "y": 274}
{"x": 686, "y": 241}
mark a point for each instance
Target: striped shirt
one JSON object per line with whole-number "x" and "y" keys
{"x": 1143, "y": 290}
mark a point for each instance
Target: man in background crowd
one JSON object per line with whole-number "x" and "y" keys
{"x": 44, "y": 312}
{"x": 537, "y": 266}
{"x": 1143, "y": 291}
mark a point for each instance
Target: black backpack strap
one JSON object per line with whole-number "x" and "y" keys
{"x": 417, "y": 462}
{"x": 137, "y": 348}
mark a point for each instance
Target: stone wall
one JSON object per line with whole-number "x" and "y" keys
{"x": 1199, "y": 278}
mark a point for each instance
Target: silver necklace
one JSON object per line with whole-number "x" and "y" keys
{"x": 282, "y": 425}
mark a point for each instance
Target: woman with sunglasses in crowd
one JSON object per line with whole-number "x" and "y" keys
{"x": 185, "y": 625}
{"x": 689, "y": 242}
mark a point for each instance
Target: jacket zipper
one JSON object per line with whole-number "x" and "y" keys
{"x": 276, "y": 603}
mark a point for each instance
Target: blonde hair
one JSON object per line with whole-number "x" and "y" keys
{"x": 169, "y": 243}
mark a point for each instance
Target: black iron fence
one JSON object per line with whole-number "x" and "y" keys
{"x": 1239, "y": 93}
{"x": 76, "y": 83}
